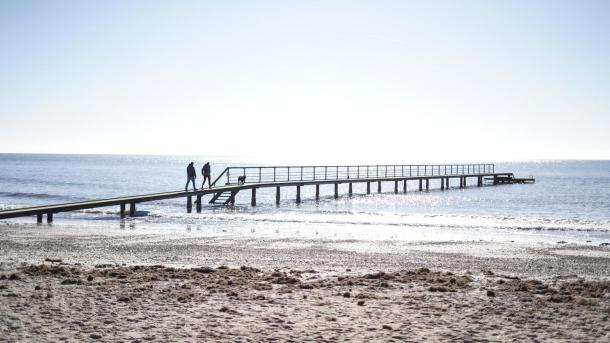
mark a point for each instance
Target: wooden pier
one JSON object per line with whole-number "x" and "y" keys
{"x": 236, "y": 179}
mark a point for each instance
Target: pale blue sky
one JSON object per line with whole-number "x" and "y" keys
{"x": 395, "y": 81}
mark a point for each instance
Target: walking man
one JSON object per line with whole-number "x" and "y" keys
{"x": 206, "y": 174}
{"x": 191, "y": 175}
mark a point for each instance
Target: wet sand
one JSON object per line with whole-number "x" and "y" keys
{"x": 65, "y": 285}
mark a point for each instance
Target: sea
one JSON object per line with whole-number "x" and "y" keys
{"x": 569, "y": 202}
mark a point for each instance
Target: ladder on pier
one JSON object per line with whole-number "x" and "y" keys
{"x": 223, "y": 198}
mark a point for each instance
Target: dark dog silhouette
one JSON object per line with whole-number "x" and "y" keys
{"x": 241, "y": 180}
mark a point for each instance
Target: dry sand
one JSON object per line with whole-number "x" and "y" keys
{"x": 95, "y": 287}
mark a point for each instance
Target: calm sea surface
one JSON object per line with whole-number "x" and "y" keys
{"x": 570, "y": 201}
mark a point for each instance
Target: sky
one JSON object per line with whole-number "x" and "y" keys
{"x": 308, "y": 81}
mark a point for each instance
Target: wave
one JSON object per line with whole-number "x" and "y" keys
{"x": 38, "y": 196}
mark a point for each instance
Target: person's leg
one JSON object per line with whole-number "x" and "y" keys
{"x": 186, "y": 187}
{"x": 194, "y": 187}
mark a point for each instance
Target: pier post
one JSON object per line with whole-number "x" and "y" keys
{"x": 368, "y": 188}
{"x": 39, "y": 218}
{"x": 461, "y": 182}
{"x": 350, "y": 189}
{"x": 122, "y": 211}
{"x": 427, "y": 185}
{"x": 395, "y": 186}
{"x": 189, "y": 204}
{"x": 232, "y": 197}
{"x": 464, "y": 181}
{"x": 442, "y": 183}
{"x": 404, "y": 185}
{"x": 378, "y": 186}
{"x": 318, "y": 192}
{"x": 336, "y": 191}
{"x": 253, "y": 201}
{"x": 198, "y": 203}
{"x": 480, "y": 181}
{"x": 49, "y": 217}
{"x": 132, "y": 209}
{"x": 447, "y": 185}
{"x": 420, "y": 185}
{"x": 277, "y": 195}
{"x": 298, "y": 194}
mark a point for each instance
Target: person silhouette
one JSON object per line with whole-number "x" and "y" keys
{"x": 190, "y": 175}
{"x": 205, "y": 171}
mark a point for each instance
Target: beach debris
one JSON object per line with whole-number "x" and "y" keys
{"x": 95, "y": 336}
{"x": 360, "y": 302}
{"x": 491, "y": 293}
{"x": 605, "y": 244}
{"x": 204, "y": 270}
{"x": 52, "y": 260}
{"x": 347, "y": 295}
{"x": 124, "y": 299}
{"x": 387, "y": 327}
{"x": 14, "y": 277}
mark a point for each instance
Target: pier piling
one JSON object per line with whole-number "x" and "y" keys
{"x": 50, "y": 217}
{"x": 253, "y": 200}
{"x": 350, "y": 189}
{"x": 368, "y": 188}
{"x": 132, "y": 209}
{"x": 336, "y": 191}
{"x": 277, "y": 195}
{"x": 298, "y": 194}
{"x": 122, "y": 210}
{"x": 318, "y": 192}
{"x": 189, "y": 204}
{"x": 39, "y": 218}
{"x": 198, "y": 203}
{"x": 420, "y": 185}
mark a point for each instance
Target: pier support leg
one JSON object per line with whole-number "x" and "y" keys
{"x": 447, "y": 185}
{"x": 480, "y": 181}
{"x": 420, "y": 185}
{"x": 132, "y": 209}
{"x": 442, "y": 183}
{"x": 253, "y": 201}
{"x": 404, "y": 186}
{"x": 277, "y": 195}
{"x": 368, "y": 188}
{"x": 427, "y": 185}
{"x": 350, "y": 189}
{"x": 232, "y": 198}
{"x": 122, "y": 211}
{"x": 39, "y": 218}
{"x": 50, "y": 217}
{"x": 461, "y": 182}
{"x": 336, "y": 191}
{"x": 464, "y": 181}
{"x": 298, "y": 194}
{"x": 317, "y": 192}
{"x": 378, "y": 186}
{"x": 189, "y": 204}
{"x": 198, "y": 203}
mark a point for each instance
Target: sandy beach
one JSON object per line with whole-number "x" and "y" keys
{"x": 70, "y": 285}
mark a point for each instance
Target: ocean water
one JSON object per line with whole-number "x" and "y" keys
{"x": 570, "y": 201}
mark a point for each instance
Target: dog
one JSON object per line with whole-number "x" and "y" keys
{"x": 241, "y": 180}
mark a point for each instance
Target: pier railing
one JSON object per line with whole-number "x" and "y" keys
{"x": 311, "y": 173}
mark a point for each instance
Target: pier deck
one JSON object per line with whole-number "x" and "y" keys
{"x": 261, "y": 177}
